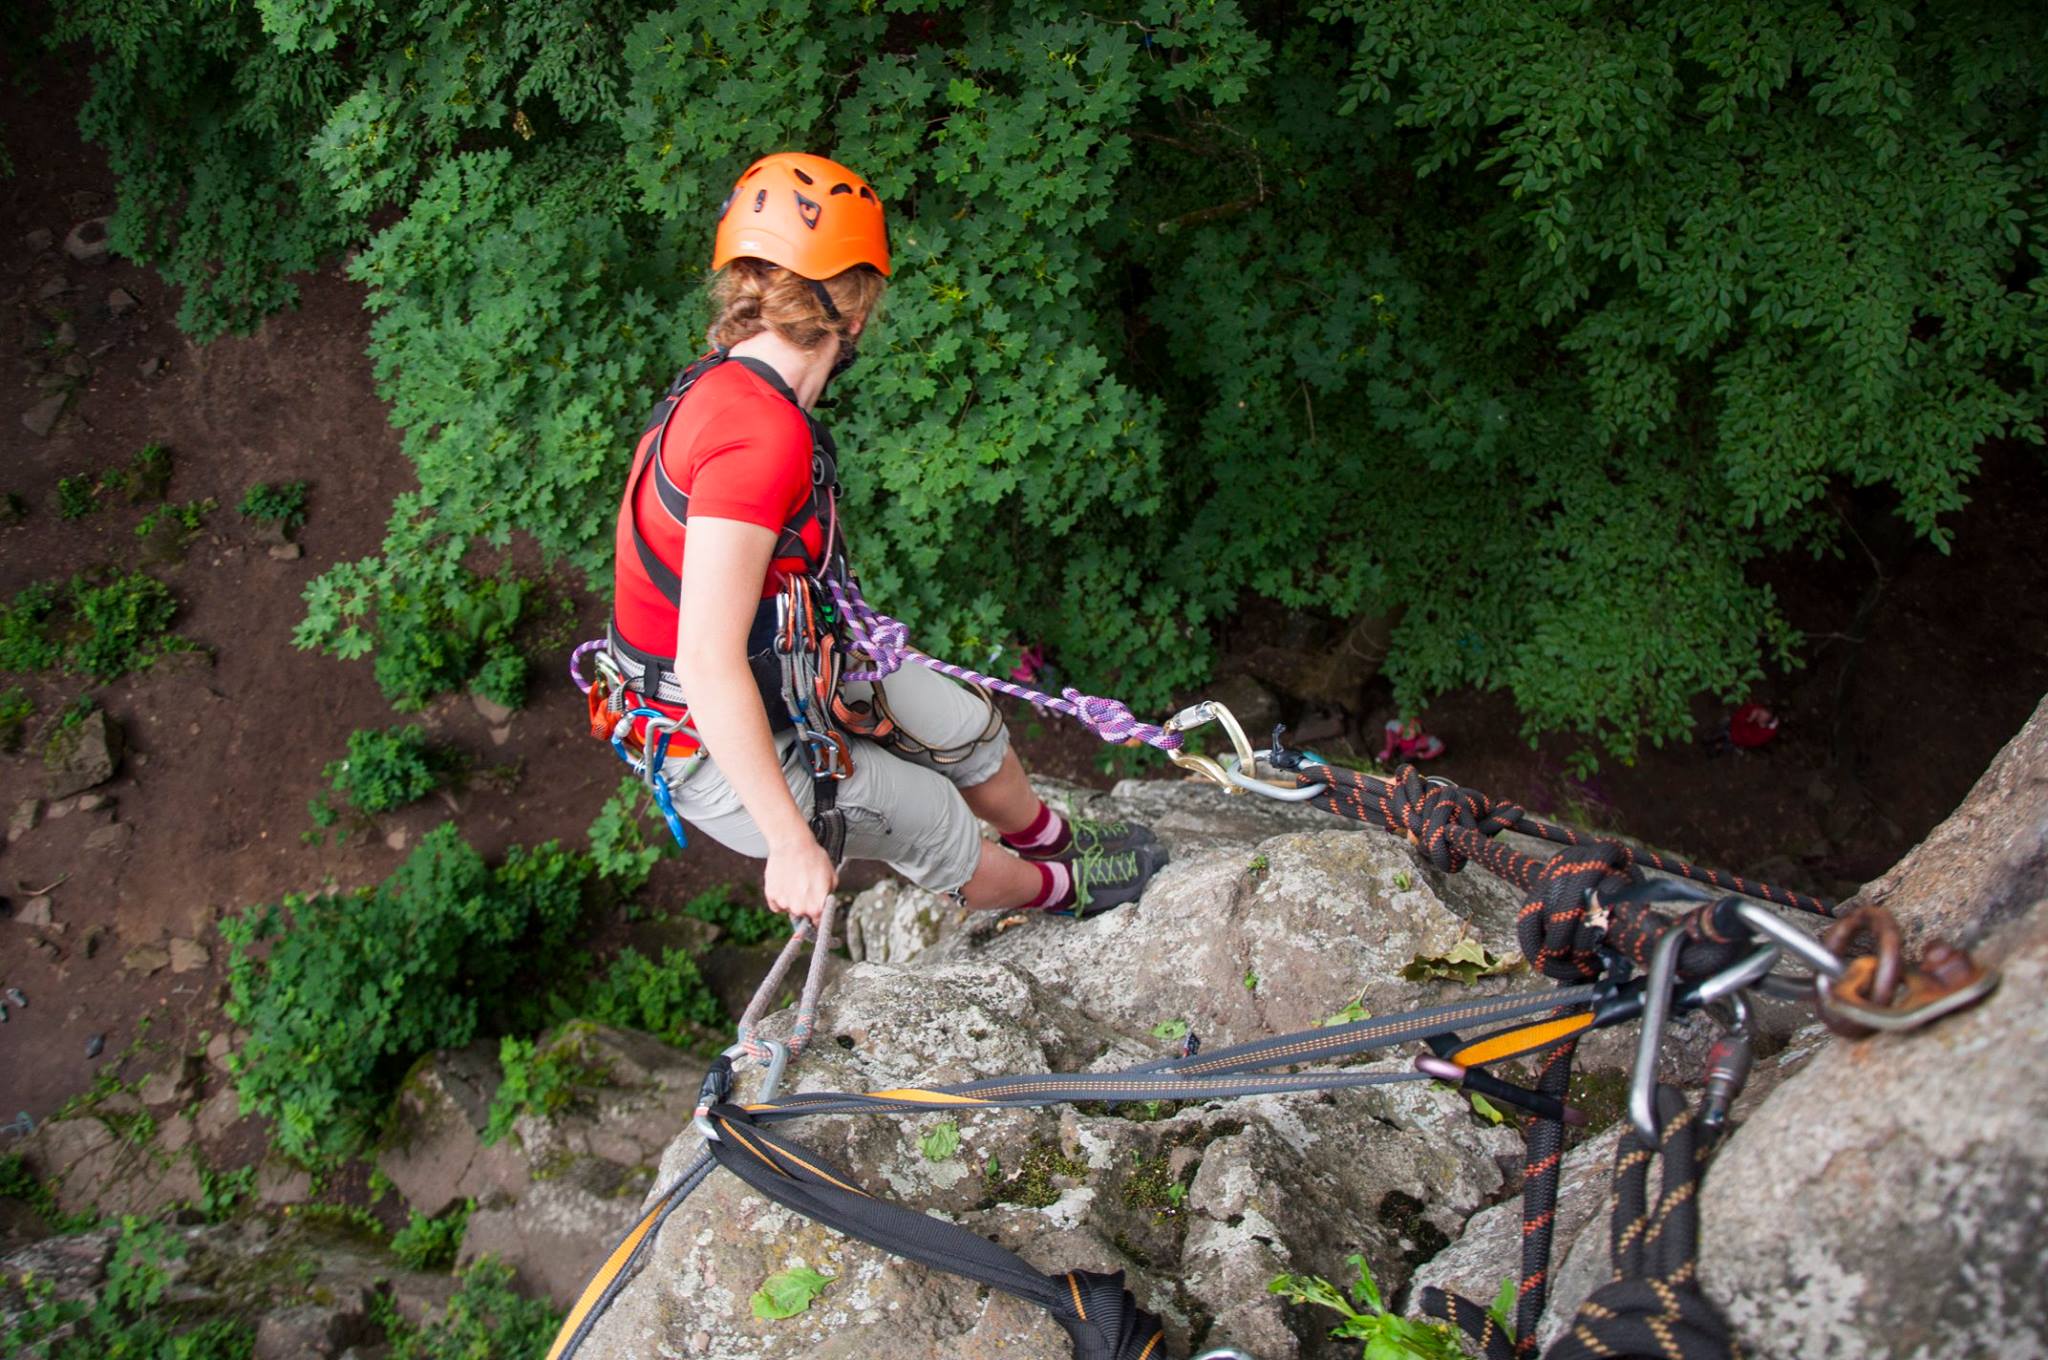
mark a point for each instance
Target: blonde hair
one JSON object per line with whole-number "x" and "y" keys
{"x": 753, "y": 296}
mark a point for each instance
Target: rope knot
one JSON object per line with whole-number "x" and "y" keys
{"x": 1428, "y": 812}
{"x": 1106, "y": 718}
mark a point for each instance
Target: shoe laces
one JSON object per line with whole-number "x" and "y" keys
{"x": 1097, "y": 830}
{"x": 1097, "y": 865}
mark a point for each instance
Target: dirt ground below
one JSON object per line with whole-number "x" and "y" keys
{"x": 1881, "y": 737}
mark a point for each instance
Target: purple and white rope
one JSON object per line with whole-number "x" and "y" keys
{"x": 885, "y": 642}
{"x": 576, "y": 663}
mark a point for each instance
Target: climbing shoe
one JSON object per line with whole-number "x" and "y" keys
{"x": 1105, "y": 879}
{"x": 1087, "y": 834}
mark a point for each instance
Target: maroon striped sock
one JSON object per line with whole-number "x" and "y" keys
{"x": 1047, "y": 834}
{"x": 1055, "y": 887}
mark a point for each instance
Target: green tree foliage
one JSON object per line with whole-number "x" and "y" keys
{"x": 1537, "y": 324}
{"x": 341, "y": 993}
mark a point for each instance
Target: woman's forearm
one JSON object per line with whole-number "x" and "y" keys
{"x": 726, "y": 710}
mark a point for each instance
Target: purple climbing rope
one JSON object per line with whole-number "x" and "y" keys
{"x": 885, "y": 643}
{"x": 576, "y": 663}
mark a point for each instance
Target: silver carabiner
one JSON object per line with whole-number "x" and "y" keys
{"x": 778, "y": 1059}
{"x": 1642, "y": 1080}
{"x": 1266, "y": 788}
{"x": 1812, "y": 952}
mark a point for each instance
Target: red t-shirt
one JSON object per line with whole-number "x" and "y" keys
{"x": 740, "y": 449}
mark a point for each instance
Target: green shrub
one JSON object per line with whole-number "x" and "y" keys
{"x": 282, "y": 504}
{"x": 1537, "y": 328}
{"x": 743, "y": 922}
{"x": 25, "y": 642}
{"x": 431, "y": 632}
{"x": 171, "y": 528}
{"x": 352, "y": 988}
{"x": 619, "y": 838}
{"x": 502, "y": 678}
{"x": 539, "y": 1077}
{"x": 1364, "y": 1317}
{"x": 104, "y": 630}
{"x": 121, "y": 626}
{"x": 386, "y": 770}
{"x": 485, "y": 1320}
{"x": 146, "y": 478}
{"x": 667, "y": 999}
{"x": 77, "y": 496}
{"x": 431, "y": 1243}
{"x": 132, "y": 1318}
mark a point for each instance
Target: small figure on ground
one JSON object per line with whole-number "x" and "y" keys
{"x": 1406, "y": 740}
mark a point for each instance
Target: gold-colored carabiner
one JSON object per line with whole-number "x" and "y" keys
{"x": 1201, "y": 714}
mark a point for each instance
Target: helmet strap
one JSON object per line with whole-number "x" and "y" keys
{"x": 824, "y": 298}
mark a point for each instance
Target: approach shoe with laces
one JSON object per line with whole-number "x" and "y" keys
{"x": 1086, "y": 833}
{"x": 1105, "y": 879}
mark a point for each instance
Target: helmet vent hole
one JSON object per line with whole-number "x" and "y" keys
{"x": 760, "y": 199}
{"x": 802, "y": 176}
{"x": 842, "y": 188}
{"x": 750, "y": 174}
{"x": 865, "y": 194}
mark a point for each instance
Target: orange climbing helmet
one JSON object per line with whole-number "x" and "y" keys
{"x": 812, "y": 216}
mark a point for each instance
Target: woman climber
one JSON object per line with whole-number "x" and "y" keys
{"x": 719, "y": 625}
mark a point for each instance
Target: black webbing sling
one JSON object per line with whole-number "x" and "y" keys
{"x": 1097, "y": 1312}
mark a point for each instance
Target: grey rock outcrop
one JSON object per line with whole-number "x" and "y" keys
{"x": 553, "y": 1195}
{"x": 82, "y": 755}
{"x": 1885, "y": 1197}
{"x": 1271, "y": 918}
{"x": 306, "y": 1288}
{"x": 1891, "y": 1198}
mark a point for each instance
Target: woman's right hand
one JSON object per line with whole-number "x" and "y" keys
{"x": 800, "y": 875}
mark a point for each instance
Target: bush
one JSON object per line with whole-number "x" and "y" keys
{"x": 432, "y": 630}
{"x": 743, "y": 922}
{"x": 353, "y": 988}
{"x": 386, "y": 770}
{"x": 146, "y": 478}
{"x": 170, "y": 529}
{"x": 104, "y": 630}
{"x": 122, "y": 626}
{"x": 1538, "y": 327}
{"x": 16, "y": 708}
{"x": 668, "y": 1000}
{"x": 538, "y": 1078}
{"x": 619, "y": 838}
{"x": 77, "y": 497}
{"x": 281, "y": 504}
{"x": 25, "y": 641}
{"x": 485, "y": 1320}
{"x": 132, "y": 1316}
{"x": 431, "y": 1243}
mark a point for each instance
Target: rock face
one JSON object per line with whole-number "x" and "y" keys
{"x": 1883, "y": 1197}
{"x": 1887, "y": 1197}
{"x": 1270, "y": 918}
{"x": 553, "y": 1195}
{"x": 1891, "y": 1199}
{"x": 311, "y": 1289}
